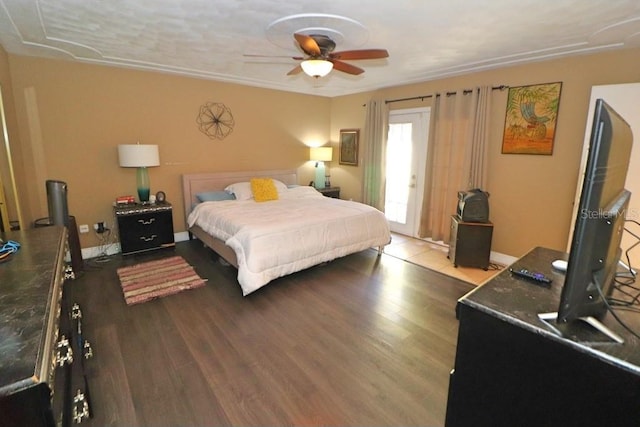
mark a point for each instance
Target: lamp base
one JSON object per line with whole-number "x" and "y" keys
{"x": 142, "y": 179}
{"x": 143, "y": 194}
{"x": 320, "y": 175}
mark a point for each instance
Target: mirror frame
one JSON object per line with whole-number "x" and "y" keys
{"x": 7, "y": 146}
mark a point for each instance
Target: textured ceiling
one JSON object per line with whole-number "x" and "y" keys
{"x": 211, "y": 39}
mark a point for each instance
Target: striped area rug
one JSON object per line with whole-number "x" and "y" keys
{"x": 156, "y": 279}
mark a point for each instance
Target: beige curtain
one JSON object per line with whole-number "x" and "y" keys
{"x": 456, "y": 158}
{"x": 374, "y": 153}
{"x": 480, "y": 141}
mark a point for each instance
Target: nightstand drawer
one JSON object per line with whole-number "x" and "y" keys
{"x": 145, "y": 230}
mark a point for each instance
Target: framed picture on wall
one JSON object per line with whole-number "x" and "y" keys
{"x": 349, "y": 146}
{"x": 530, "y": 120}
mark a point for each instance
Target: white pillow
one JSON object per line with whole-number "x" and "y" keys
{"x": 242, "y": 190}
{"x": 280, "y": 186}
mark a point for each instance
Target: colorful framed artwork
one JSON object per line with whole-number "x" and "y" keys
{"x": 349, "y": 146}
{"x": 530, "y": 120}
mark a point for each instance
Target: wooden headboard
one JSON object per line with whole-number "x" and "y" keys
{"x": 193, "y": 184}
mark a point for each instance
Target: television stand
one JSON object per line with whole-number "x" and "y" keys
{"x": 550, "y": 319}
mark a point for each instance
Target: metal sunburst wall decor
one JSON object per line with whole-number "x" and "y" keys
{"x": 215, "y": 120}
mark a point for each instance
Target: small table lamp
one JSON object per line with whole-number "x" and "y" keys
{"x": 320, "y": 155}
{"x": 139, "y": 156}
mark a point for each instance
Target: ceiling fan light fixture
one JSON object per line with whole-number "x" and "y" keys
{"x": 316, "y": 67}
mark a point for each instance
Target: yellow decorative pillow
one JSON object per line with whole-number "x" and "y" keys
{"x": 263, "y": 189}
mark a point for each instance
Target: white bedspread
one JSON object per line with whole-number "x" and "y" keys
{"x": 301, "y": 229}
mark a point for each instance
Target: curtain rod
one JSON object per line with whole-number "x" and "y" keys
{"x": 422, "y": 97}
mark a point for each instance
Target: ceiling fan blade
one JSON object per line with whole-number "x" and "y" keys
{"x": 254, "y": 55}
{"x": 360, "y": 54}
{"x": 295, "y": 70}
{"x": 346, "y": 68}
{"x": 308, "y": 45}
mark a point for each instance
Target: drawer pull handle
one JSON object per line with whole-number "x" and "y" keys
{"x": 148, "y": 239}
{"x": 87, "y": 350}
{"x": 80, "y": 407}
{"x": 143, "y": 222}
{"x": 64, "y": 354}
{"x": 76, "y": 313}
{"x": 68, "y": 273}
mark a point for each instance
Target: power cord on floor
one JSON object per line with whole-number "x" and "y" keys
{"x": 495, "y": 267}
{"x": 106, "y": 238}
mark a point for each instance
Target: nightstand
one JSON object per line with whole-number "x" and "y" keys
{"x": 470, "y": 243}
{"x": 144, "y": 227}
{"x": 330, "y": 192}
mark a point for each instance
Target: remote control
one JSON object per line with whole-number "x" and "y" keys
{"x": 536, "y": 277}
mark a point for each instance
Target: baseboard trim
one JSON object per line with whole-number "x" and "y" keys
{"x": 502, "y": 259}
{"x": 114, "y": 248}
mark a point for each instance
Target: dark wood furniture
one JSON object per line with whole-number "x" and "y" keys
{"x": 144, "y": 227}
{"x": 31, "y": 285}
{"x": 470, "y": 243}
{"x": 512, "y": 370}
{"x": 330, "y": 192}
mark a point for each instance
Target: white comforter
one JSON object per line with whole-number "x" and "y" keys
{"x": 301, "y": 229}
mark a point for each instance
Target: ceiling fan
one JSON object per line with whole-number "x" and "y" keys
{"x": 320, "y": 58}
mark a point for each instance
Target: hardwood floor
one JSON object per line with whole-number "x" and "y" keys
{"x": 362, "y": 340}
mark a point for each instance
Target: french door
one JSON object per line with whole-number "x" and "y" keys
{"x": 406, "y": 160}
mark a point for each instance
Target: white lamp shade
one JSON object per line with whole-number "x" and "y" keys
{"x": 321, "y": 154}
{"x": 138, "y": 155}
{"x": 316, "y": 67}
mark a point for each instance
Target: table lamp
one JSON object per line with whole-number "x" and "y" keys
{"x": 320, "y": 155}
{"x": 139, "y": 156}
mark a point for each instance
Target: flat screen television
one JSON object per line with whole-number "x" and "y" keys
{"x": 595, "y": 247}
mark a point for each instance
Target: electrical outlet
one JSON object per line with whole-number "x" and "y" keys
{"x": 84, "y": 228}
{"x": 100, "y": 227}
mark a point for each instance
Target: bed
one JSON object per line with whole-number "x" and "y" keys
{"x": 270, "y": 239}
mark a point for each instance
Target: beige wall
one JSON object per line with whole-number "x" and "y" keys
{"x": 531, "y": 196}
{"x": 85, "y": 111}
{"x": 76, "y": 115}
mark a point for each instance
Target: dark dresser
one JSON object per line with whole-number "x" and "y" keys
{"x": 511, "y": 369}
{"x": 31, "y": 285}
